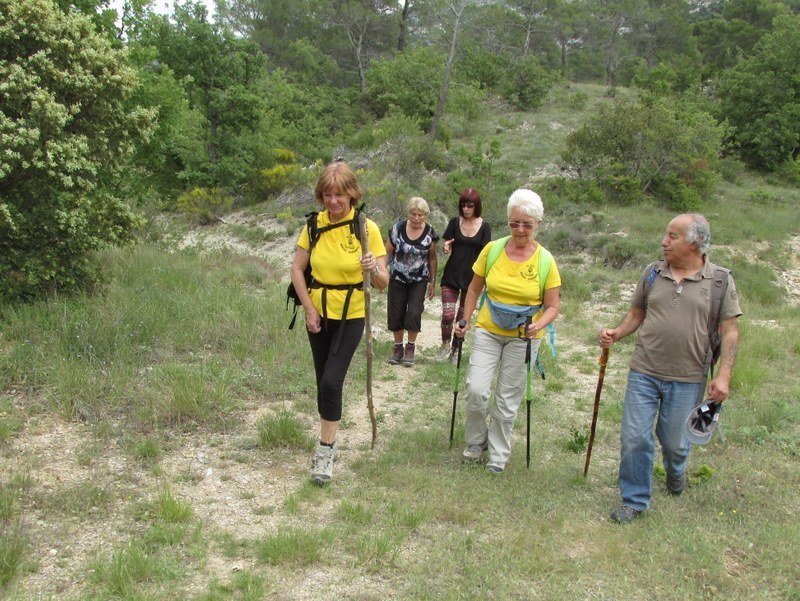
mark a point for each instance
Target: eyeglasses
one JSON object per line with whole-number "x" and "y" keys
{"x": 467, "y": 205}
{"x": 523, "y": 224}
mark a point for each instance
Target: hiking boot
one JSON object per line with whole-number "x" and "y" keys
{"x": 625, "y": 514}
{"x": 495, "y": 467}
{"x": 473, "y": 453}
{"x": 408, "y": 355}
{"x": 454, "y": 357}
{"x": 397, "y": 354}
{"x": 322, "y": 464}
{"x": 676, "y": 483}
{"x": 443, "y": 354}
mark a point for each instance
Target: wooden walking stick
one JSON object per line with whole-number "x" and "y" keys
{"x": 598, "y": 390}
{"x": 362, "y": 227}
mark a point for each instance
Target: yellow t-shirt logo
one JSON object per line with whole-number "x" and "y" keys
{"x": 350, "y": 245}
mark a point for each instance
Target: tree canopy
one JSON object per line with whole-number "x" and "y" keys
{"x": 65, "y": 130}
{"x": 99, "y": 116}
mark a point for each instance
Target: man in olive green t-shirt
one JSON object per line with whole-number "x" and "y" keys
{"x": 670, "y": 309}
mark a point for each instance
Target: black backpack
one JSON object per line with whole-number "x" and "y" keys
{"x": 314, "y": 233}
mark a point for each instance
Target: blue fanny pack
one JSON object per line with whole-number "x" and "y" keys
{"x": 510, "y": 317}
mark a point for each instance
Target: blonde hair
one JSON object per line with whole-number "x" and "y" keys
{"x": 338, "y": 176}
{"x": 419, "y": 203}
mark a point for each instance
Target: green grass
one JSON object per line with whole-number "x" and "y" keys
{"x": 184, "y": 347}
{"x": 283, "y": 430}
{"x": 294, "y": 546}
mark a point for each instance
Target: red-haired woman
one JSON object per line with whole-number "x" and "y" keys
{"x": 464, "y": 238}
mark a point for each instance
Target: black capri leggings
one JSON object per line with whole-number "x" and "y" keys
{"x": 404, "y": 305}
{"x": 331, "y": 368}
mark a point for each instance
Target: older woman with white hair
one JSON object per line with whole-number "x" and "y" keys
{"x": 522, "y": 293}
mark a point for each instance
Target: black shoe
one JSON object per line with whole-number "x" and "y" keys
{"x": 676, "y": 483}
{"x": 625, "y": 514}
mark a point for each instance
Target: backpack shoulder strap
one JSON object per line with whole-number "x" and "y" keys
{"x": 718, "y": 290}
{"x": 495, "y": 250}
{"x": 545, "y": 261}
{"x": 313, "y": 231}
{"x": 651, "y": 273}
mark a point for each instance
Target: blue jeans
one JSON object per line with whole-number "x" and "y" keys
{"x": 646, "y": 399}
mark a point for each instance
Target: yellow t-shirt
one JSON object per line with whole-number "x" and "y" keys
{"x": 512, "y": 283}
{"x": 335, "y": 261}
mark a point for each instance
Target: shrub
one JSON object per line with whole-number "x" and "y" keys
{"x": 789, "y": 172}
{"x": 578, "y": 101}
{"x": 67, "y": 128}
{"x": 759, "y": 196}
{"x": 527, "y": 83}
{"x": 206, "y": 205}
{"x": 664, "y": 148}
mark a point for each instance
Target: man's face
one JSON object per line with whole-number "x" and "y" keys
{"x": 676, "y": 248}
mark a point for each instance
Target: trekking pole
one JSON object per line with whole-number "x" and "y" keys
{"x": 460, "y": 343}
{"x": 528, "y": 396}
{"x": 362, "y": 226}
{"x": 600, "y": 377}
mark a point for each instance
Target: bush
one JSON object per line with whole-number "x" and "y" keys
{"x": 761, "y": 197}
{"x": 66, "y": 129}
{"x": 527, "y": 83}
{"x": 205, "y": 205}
{"x": 283, "y": 173}
{"x": 789, "y": 172}
{"x": 578, "y": 101}
{"x": 410, "y": 81}
{"x": 660, "y": 147}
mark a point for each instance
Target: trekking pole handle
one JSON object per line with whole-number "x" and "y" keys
{"x": 462, "y": 324}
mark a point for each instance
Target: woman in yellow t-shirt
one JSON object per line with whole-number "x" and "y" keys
{"x": 501, "y": 337}
{"x": 334, "y": 305}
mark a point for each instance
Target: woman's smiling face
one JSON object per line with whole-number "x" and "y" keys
{"x": 337, "y": 204}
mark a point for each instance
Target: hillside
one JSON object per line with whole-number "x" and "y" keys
{"x": 155, "y": 439}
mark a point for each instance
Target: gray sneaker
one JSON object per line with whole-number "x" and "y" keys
{"x": 676, "y": 483}
{"x": 473, "y": 453}
{"x": 322, "y": 464}
{"x": 495, "y": 467}
{"x": 625, "y": 514}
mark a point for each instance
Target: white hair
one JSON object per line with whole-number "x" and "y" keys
{"x": 699, "y": 233}
{"x": 526, "y": 201}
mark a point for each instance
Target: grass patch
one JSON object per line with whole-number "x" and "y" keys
{"x": 283, "y": 430}
{"x": 294, "y": 546}
{"x": 131, "y": 571}
{"x": 14, "y": 547}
